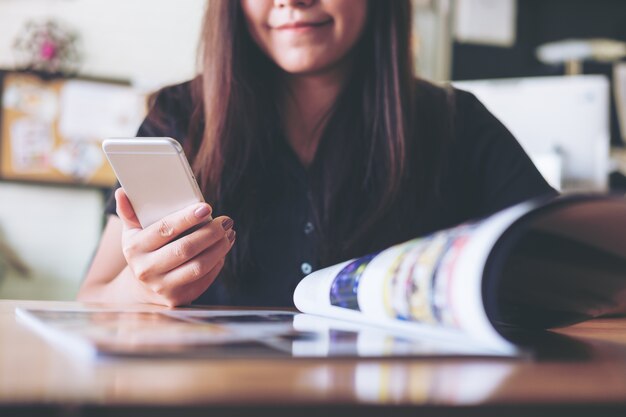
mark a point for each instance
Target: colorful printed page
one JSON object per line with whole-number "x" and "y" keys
{"x": 428, "y": 287}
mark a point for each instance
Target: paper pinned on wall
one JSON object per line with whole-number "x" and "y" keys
{"x": 486, "y": 22}
{"x": 36, "y": 101}
{"x": 32, "y": 143}
{"x": 92, "y": 111}
{"x": 78, "y": 160}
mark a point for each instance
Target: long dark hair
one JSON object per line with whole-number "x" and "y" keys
{"x": 235, "y": 119}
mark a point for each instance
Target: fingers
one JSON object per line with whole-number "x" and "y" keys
{"x": 186, "y": 294}
{"x": 166, "y": 229}
{"x": 125, "y": 210}
{"x": 170, "y": 227}
{"x": 196, "y": 268}
{"x": 181, "y": 250}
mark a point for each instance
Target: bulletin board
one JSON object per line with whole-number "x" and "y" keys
{"x": 52, "y": 129}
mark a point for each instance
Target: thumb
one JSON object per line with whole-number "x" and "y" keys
{"x": 125, "y": 210}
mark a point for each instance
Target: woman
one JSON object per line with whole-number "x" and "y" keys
{"x": 307, "y": 129}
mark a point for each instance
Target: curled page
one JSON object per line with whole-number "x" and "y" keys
{"x": 430, "y": 286}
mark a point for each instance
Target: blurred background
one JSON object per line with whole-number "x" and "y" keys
{"x": 73, "y": 72}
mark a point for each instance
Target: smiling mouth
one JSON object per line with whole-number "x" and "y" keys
{"x": 303, "y": 25}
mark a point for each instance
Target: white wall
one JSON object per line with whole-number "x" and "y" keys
{"x": 151, "y": 41}
{"x": 54, "y": 231}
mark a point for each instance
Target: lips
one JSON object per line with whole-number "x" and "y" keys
{"x": 302, "y": 24}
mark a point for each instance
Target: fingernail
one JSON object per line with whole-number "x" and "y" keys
{"x": 202, "y": 212}
{"x": 228, "y": 224}
{"x": 231, "y": 235}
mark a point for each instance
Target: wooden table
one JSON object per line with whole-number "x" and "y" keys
{"x": 582, "y": 375}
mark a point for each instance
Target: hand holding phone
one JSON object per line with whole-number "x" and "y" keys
{"x": 170, "y": 266}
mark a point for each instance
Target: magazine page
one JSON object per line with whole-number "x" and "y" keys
{"x": 563, "y": 263}
{"x": 93, "y": 333}
{"x": 429, "y": 287}
{"x": 334, "y": 337}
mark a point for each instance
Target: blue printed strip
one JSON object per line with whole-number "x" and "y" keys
{"x": 343, "y": 292}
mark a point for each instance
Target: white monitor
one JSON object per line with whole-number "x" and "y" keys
{"x": 562, "y": 122}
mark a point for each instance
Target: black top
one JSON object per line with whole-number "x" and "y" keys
{"x": 487, "y": 171}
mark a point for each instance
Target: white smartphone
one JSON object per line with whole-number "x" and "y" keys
{"x": 155, "y": 175}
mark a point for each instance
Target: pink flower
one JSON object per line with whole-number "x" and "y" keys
{"x": 48, "y": 50}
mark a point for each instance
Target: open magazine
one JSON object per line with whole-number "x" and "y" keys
{"x": 537, "y": 265}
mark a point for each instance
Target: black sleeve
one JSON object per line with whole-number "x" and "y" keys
{"x": 168, "y": 116}
{"x": 496, "y": 171}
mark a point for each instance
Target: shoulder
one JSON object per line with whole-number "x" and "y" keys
{"x": 470, "y": 123}
{"x": 169, "y": 111}
{"x": 173, "y": 98}
{"x": 441, "y": 110}
{"x": 487, "y": 165}
{"x": 458, "y": 106}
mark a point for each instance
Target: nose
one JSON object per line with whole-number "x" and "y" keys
{"x": 293, "y": 3}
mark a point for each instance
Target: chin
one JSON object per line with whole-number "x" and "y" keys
{"x": 305, "y": 67}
